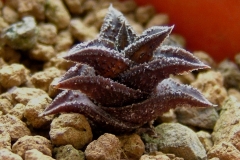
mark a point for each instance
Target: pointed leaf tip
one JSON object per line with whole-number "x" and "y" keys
{"x": 142, "y": 49}
{"x": 182, "y": 93}
{"x": 112, "y": 24}
{"x": 105, "y": 61}
{"x": 188, "y": 60}
{"x": 78, "y": 70}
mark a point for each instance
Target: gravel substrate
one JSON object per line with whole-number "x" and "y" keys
{"x": 34, "y": 36}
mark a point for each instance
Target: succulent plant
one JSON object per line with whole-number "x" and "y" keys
{"x": 121, "y": 80}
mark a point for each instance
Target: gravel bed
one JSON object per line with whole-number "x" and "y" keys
{"x": 34, "y": 37}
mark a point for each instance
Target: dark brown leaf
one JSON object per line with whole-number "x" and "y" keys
{"x": 78, "y": 70}
{"x": 104, "y": 91}
{"x": 106, "y": 62}
{"x": 113, "y": 22}
{"x": 123, "y": 38}
{"x": 142, "y": 49}
{"x": 94, "y": 43}
{"x": 173, "y": 60}
{"x": 75, "y": 101}
{"x": 167, "y": 95}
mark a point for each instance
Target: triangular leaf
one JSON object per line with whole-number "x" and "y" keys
{"x": 142, "y": 49}
{"x": 112, "y": 24}
{"x": 75, "y": 101}
{"x": 103, "y": 91}
{"x": 78, "y": 70}
{"x": 171, "y": 60}
{"x": 105, "y": 61}
{"x": 94, "y": 43}
{"x": 168, "y": 95}
{"x": 123, "y": 38}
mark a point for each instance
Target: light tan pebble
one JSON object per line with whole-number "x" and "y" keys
{"x": 158, "y": 20}
{"x": 75, "y": 6}
{"x": 206, "y": 139}
{"x": 231, "y": 74}
{"x": 173, "y": 157}
{"x": 224, "y": 151}
{"x": 138, "y": 28}
{"x": 132, "y": 146}
{"x": 159, "y": 156}
{"x": 29, "y": 84}
{"x": 9, "y": 55}
{"x": 234, "y": 92}
{"x": 13, "y": 75}
{"x": 47, "y": 33}
{"x": 10, "y": 15}
{"x": 167, "y": 117}
{"x": 178, "y": 40}
{"x": 59, "y": 62}
{"x": 227, "y": 127}
{"x": 34, "y": 154}
{"x": 5, "y": 154}
{"x": 89, "y": 6}
{"x": 5, "y": 105}
{"x": 82, "y": 32}
{"x": 43, "y": 79}
{"x": 175, "y": 40}
{"x": 214, "y": 158}
{"x": 34, "y": 108}
{"x": 70, "y": 128}
{"x": 126, "y": 6}
{"x": 205, "y": 58}
{"x": 24, "y": 95}
{"x": 210, "y": 84}
{"x": 68, "y": 152}
{"x": 52, "y": 91}
{"x": 95, "y": 18}
{"x": 155, "y": 156}
{"x": 8, "y": 96}
{"x": 107, "y": 147}
{"x": 144, "y": 13}
{"x": 131, "y": 17}
{"x": 100, "y": 15}
{"x": 42, "y": 52}
{"x": 64, "y": 41}
{"x": 3, "y": 25}
{"x": 57, "y": 13}
{"x": 17, "y": 111}
{"x": 14, "y": 126}
{"x": 26, "y": 143}
{"x": 185, "y": 78}
{"x": 34, "y": 8}
{"x": 2, "y": 63}
{"x": 177, "y": 139}
{"x": 105, "y": 3}
{"x": 5, "y": 141}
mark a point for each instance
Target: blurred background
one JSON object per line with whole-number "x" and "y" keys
{"x": 208, "y": 25}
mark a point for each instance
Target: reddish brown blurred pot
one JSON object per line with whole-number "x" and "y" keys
{"x": 209, "y": 25}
